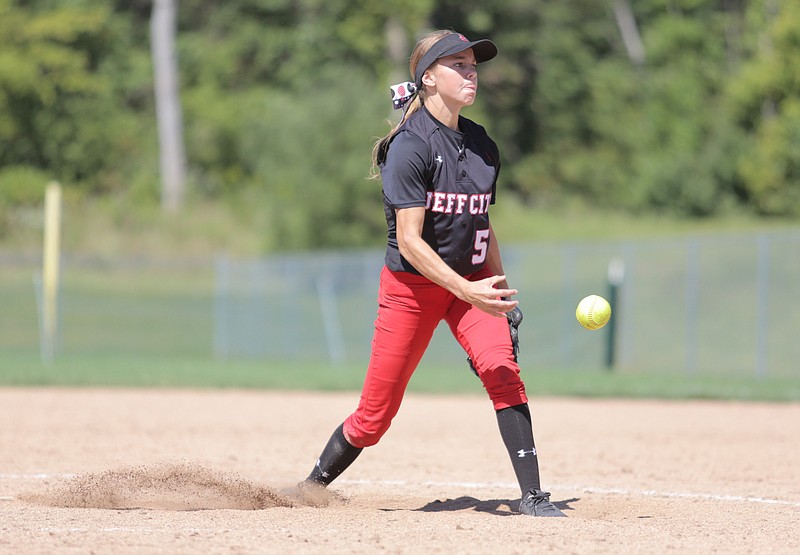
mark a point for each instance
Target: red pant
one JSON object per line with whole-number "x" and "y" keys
{"x": 409, "y": 309}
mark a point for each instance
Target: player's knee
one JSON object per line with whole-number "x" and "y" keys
{"x": 364, "y": 436}
{"x": 508, "y": 396}
{"x": 504, "y": 385}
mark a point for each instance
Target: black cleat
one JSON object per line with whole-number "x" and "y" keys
{"x": 537, "y": 503}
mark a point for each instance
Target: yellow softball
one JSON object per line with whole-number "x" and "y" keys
{"x": 593, "y": 312}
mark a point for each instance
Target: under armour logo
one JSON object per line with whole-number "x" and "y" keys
{"x": 521, "y": 453}
{"x": 326, "y": 474}
{"x": 438, "y": 158}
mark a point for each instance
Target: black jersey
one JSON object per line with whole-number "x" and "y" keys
{"x": 453, "y": 174}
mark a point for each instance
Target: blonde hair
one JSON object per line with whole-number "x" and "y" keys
{"x": 423, "y": 45}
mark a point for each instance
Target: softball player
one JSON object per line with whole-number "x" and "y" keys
{"x": 439, "y": 173}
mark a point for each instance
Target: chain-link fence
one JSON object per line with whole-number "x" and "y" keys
{"x": 713, "y": 304}
{"x": 716, "y": 304}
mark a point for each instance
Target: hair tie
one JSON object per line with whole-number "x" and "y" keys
{"x": 402, "y": 93}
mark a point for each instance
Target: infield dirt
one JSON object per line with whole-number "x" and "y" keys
{"x": 177, "y": 471}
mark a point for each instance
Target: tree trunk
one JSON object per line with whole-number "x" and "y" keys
{"x": 629, "y": 31}
{"x": 168, "y": 105}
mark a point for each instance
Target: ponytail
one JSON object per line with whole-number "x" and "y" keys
{"x": 382, "y": 145}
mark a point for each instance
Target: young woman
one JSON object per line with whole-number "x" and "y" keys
{"x": 439, "y": 172}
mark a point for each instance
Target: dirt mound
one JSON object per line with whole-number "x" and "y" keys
{"x": 173, "y": 486}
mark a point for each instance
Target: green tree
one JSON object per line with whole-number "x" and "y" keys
{"x": 643, "y": 136}
{"x": 59, "y": 103}
{"x": 765, "y": 97}
{"x": 284, "y": 98}
{"x": 283, "y": 101}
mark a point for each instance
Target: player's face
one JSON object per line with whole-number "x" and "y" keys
{"x": 456, "y": 77}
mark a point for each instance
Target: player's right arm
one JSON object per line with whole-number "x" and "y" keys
{"x": 482, "y": 294}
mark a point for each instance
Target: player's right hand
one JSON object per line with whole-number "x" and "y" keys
{"x": 484, "y": 295}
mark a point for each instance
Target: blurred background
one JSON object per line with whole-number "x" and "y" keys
{"x": 218, "y": 227}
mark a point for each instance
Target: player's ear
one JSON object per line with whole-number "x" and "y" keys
{"x": 428, "y": 78}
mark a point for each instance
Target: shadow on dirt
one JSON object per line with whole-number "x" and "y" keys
{"x": 499, "y": 507}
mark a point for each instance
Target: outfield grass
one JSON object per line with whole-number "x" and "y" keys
{"x": 25, "y": 369}
{"x": 110, "y": 228}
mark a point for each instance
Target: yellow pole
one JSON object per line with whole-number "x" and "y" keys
{"x": 51, "y": 268}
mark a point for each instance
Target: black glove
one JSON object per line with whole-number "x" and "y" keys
{"x": 514, "y": 318}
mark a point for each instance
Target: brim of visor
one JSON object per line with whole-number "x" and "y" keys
{"x": 483, "y": 49}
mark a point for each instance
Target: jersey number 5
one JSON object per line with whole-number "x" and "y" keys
{"x": 481, "y": 246}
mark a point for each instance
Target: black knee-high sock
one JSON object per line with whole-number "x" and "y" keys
{"x": 517, "y": 434}
{"x": 335, "y": 458}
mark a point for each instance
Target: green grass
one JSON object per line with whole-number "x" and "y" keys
{"x": 26, "y": 369}
{"x": 515, "y": 222}
{"x": 111, "y": 227}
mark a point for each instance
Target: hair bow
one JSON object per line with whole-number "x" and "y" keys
{"x": 402, "y": 93}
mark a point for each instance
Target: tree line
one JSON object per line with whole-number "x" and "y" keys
{"x": 687, "y": 107}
